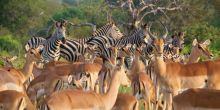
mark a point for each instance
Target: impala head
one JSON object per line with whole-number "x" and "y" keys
{"x": 60, "y": 32}
{"x": 33, "y": 55}
{"x": 202, "y": 48}
{"x": 82, "y": 81}
{"x": 8, "y": 61}
{"x": 158, "y": 43}
{"x": 122, "y": 75}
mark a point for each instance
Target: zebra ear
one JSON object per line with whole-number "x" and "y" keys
{"x": 85, "y": 45}
{"x": 128, "y": 46}
{"x": 134, "y": 46}
{"x": 108, "y": 45}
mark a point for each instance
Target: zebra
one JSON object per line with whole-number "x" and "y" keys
{"x": 70, "y": 50}
{"x": 138, "y": 37}
{"x": 51, "y": 50}
{"x": 174, "y": 46}
{"x": 109, "y": 30}
{"x": 34, "y": 42}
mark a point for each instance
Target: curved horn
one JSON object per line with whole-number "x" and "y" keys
{"x": 151, "y": 35}
{"x": 165, "y": 35}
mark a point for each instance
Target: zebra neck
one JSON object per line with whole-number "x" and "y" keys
{"x": 56, "y": 46}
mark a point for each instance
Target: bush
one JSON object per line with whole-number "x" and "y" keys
{"x": 203, "y": 31}
{"x": 9, "y": 44}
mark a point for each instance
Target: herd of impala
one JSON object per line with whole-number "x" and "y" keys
{"x": 183, "y": 83}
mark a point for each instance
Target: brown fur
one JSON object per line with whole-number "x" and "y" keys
{"x": 126, "y": 102}
{"x": 202, "y": 99}
{"x": 13, "y": 100}
{"x": 175, "y": 76}
{"x": 24, "y": 73}
{"x": 88, "y": 100}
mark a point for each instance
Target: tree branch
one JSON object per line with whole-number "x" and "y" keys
{"x": 84, "y": 24}
{"x": 160, "y": 9}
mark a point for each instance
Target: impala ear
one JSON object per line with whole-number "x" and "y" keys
{"x": 27, "y": 47}
{"x": 206, "y": 42}
{"x": 195, "y": 42}
{"x": 13, "y": 58}
{"x": 57, "y": 24}
{"x": 25, "y": 55}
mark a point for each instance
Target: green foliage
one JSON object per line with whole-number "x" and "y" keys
{"x": 9, "y": 44}
{"x": 20, "y": 16}
{"x": 203, "y": 31}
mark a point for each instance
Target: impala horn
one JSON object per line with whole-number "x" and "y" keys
{"x": 151, "y": 35}
{"x": 165, "y": 35}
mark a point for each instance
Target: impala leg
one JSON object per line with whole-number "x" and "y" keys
{"x": 145, "y": 105}
{"x": 168, "y": 100}
{"x": 157, "y": 93}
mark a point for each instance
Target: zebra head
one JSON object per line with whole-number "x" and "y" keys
{"x": 115, "y": 31}
{"x": 110, "y": 30}
{"x": 178, "y": 40}
{"x": 60, "y": 32}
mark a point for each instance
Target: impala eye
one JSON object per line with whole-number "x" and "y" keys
{"x": 199, "y": 47}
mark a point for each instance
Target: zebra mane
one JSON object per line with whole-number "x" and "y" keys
{"x": 106, "y": 26}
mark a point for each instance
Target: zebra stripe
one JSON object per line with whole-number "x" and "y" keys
{"x": 70, "y": 50}
{"x": 34, "y": 42}
{"x": 138, "y": 37}
{"x": 109, "y": 30}
{"x": 51, "y": 50}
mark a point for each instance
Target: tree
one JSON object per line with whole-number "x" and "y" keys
{"x": 21, "y": 16}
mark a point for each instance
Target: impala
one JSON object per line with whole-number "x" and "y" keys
{"x": 199, "y": 49}
{"x": 126, "y": 102}
{"x": 142, "y": 85}
{"x": 197, "y": 99}
{"x": 66, "y": 99}
{"x": 13, "y": 79}
{"x": 8, "y": 61}
{"x": 175, "y": 76}
{"x": 24, "y": 73}
{"x": 46, "y": 84}
{"x": 13, "y": 100}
